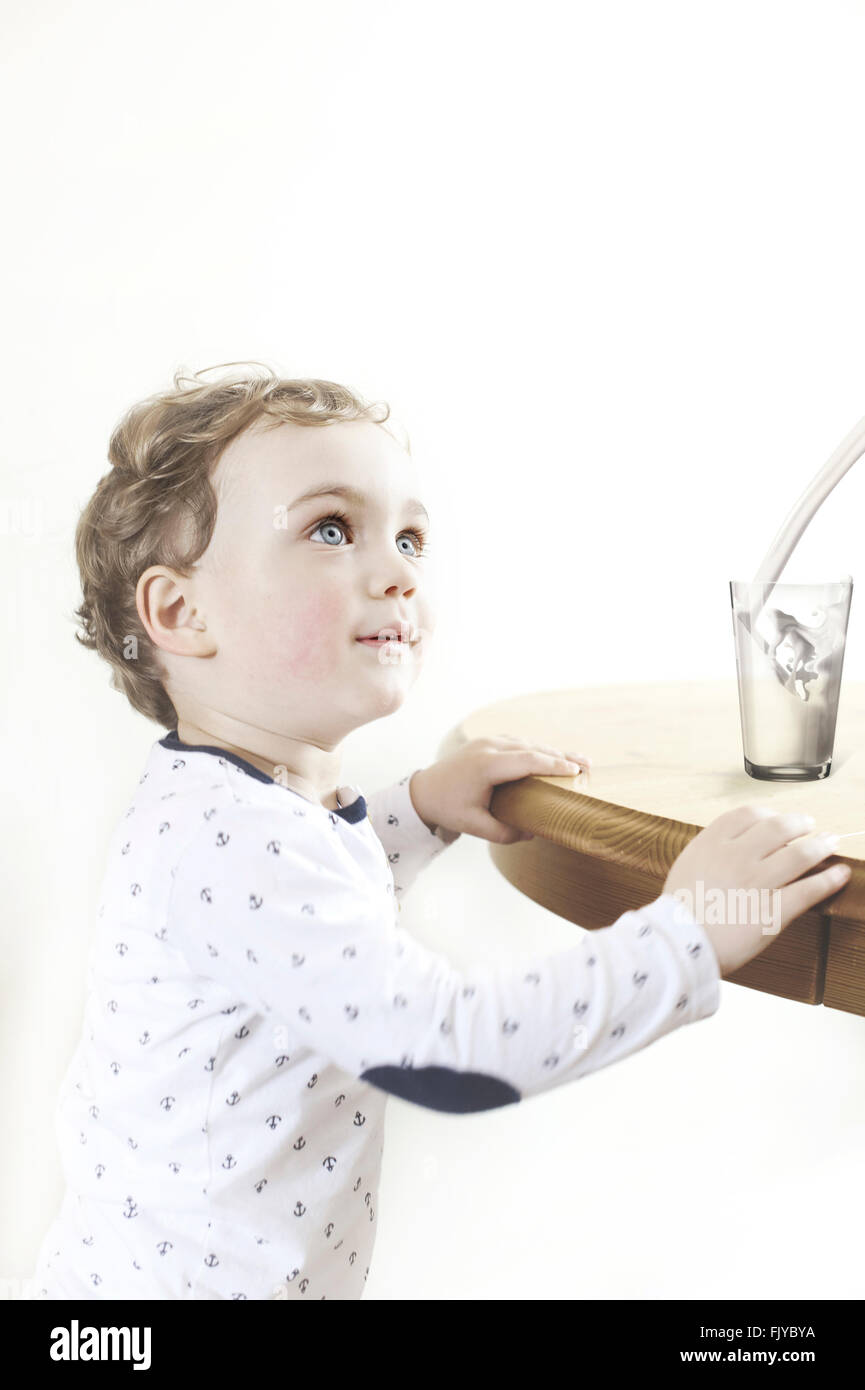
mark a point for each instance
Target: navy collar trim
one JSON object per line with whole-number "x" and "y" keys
{"x": 357, "y": 811}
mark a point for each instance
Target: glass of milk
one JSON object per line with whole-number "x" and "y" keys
{"x": 789, "y": 641}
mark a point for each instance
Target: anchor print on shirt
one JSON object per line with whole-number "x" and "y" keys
{"x": 131, "y": 1208}
{"x": 350, "y": 954}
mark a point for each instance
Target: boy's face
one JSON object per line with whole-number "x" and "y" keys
{"x": 284, "y": 594}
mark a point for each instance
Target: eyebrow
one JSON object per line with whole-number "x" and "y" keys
{"x": 353, "y": 494}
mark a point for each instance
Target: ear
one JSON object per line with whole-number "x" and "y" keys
{"x": 164, "y": 600}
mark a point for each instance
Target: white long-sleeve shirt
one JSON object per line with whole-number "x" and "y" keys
{"x": 251, "y": 1003}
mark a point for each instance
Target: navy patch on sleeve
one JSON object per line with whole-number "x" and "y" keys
{"x": 441, "y": 1088}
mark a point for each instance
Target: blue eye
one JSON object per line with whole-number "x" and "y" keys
{"x": 331, "y": 522}
{"x": 341, "y": 522}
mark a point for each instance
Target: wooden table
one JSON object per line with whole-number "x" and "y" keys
{"x": 667, "y": 760}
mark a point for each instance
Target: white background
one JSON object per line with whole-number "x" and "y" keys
{"x": 605, "y": 262}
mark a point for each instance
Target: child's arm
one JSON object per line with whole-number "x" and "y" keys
{"x": 282, "y": 923}
{"x": 409, "y": 843}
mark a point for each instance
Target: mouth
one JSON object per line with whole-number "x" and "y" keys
{"x": 381, "y": 640}
{"x": 405, "y": 636}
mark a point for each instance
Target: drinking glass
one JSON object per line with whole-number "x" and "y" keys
{"x": 789, "y": 641}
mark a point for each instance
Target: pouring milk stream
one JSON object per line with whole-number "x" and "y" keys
{"x": 795, "y": 643}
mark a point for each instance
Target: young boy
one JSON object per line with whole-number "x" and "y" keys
{"x": 252, "y": 1000}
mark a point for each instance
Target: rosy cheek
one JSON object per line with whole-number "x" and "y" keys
{"x": 312, "y": 636}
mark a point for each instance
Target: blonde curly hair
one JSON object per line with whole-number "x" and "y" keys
{"x": 157, "y": 506}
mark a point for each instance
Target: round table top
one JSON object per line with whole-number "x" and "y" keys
{"x": 673, "y": 749}
{"x": 666, "y": 761}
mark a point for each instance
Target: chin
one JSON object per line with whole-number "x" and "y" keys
{"x": 390, "y": 696}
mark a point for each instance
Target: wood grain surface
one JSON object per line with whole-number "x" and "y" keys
{"x": 666, "y": 761}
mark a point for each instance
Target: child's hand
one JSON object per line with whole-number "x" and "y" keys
{"x": 751, "y": 862}
{"x": 455, "y": 793}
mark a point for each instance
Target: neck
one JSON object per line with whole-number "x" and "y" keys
{"x": 303, "y": 766}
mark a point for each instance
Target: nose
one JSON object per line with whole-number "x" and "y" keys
{"x": 400, "y": 577}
